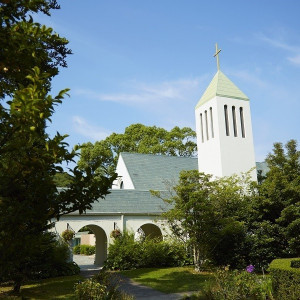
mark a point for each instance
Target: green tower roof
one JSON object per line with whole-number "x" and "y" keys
{"x": 221, "y": 86}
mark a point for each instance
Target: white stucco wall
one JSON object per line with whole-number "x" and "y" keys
{"x": 103, "y": 225}
{"x": 226, "y": 155}
{"x": 124, "y": 176}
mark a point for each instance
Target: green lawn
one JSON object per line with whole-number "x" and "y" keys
{"x": 170, "y": 280}
{"x": 53, "y": 288}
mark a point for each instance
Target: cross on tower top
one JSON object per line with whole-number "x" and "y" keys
{"x": 217, "y": 55}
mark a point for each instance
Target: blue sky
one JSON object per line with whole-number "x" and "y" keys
{"x": 150, "y": 61}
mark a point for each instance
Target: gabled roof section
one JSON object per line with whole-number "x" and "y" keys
{"x": 221, "y": 86}
{"x": 129, "y": 202}
{"x": 152, "y": 172}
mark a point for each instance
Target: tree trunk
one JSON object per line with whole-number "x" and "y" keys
{"x": 197, "y": 261}
{"x": 17, "y": 286}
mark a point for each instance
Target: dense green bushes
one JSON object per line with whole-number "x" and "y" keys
{"x": 236, "y": 285}
{"x": 126, "y": 254}
{"x": 84, "y": 249}
{"x": 285, "y": 279}
{"x": 52, "y": 261}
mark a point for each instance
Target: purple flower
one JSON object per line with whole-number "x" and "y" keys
{"x": 250, "y": 268}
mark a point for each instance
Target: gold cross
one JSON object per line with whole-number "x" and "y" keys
{"x": 217, "y": 55}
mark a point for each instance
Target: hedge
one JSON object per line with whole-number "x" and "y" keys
{"x": 84, "y": 249}
{"x": 285, "y": 279}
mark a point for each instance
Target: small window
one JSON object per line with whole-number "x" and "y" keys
{"x": 234, "y": 121}
{"x": 206, "y": 125}
{"x": 242, "y": 122}
{"x": 121, "y": 185}
{"x": 226, "y": 120}
{"x": 201, "y": 128}
{"x": 211, "y": 123}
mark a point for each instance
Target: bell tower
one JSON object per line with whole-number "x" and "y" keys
{"x": 224, "y": 129}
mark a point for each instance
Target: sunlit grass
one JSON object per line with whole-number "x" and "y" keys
{"x": 52, "y": 288}
{"x": 170, "y": 280}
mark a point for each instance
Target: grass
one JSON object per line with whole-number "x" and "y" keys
{"x": 52, "y": 288}
{"x": 170, "y": 280}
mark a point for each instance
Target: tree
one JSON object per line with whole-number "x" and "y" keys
{"x": 29, "y": 158}
{"x": 208, "y": 214}
{"x": 140, "y": 139}
{"x": 62, "y": 179}
{"x": 26, "y": 44}
{"x": 275, "y": 222}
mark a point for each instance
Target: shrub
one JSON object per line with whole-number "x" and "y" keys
{"x": 84, "y": 249}
{"x": 101, "y": 286}
{"x": 76, "y": 249}
{"x": 157, "y": 253}
{"x": 285, "y": 279}
{"x": 57, "y": 262}
{"x": 126, "y": 254}
{"x": 295, "y": 263}
{"x": 238, "y": 285}
{"x": 87, "y": 249}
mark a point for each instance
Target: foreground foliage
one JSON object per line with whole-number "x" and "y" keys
{"x": 102, "y": 286}
{"x": 30, "y": 55}
{"x": 29, "y": 200}
{"x": 26, "y": 44}
{"x": 238, "y": 285}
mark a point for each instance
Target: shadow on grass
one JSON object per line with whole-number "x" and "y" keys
{"x": 170, "y": 280}
{"x": 52, "y": 288}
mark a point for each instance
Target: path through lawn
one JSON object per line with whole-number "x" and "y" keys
{"x": 170, "y": 280}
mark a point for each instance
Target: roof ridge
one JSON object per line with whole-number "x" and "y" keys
{"x": 158, "y": 155}
{"x": 221, "y": 86}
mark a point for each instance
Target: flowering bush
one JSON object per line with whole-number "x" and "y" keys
{"x": 236, "y": 285}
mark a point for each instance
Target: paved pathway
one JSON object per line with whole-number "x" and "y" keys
{"x": 140, "y": 292}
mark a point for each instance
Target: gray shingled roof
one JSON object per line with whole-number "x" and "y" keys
{"x": 148, "y": 172}
{"x": 151, "y": 172}
{"x": 129, "y": 201}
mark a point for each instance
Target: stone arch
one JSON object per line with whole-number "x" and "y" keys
{"x": 101, "y": 243}
{"x": 152, "y": 231}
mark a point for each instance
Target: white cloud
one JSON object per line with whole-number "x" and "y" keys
{"x": 279, "y": 43}
{"x": 295, "y": 59}
{"x": 82, "y": 127}
{"x": 144, "y": 93}
{"x": 250, "y": 77}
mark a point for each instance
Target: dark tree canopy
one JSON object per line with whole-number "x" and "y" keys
{"x": 139, "y": 138}
{"x": 30, "y": 159}
{"x": 275, "y": 221}
{"x": 26, "y": 44}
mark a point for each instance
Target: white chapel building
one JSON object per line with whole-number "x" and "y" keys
{"x": 225, "y": 147}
